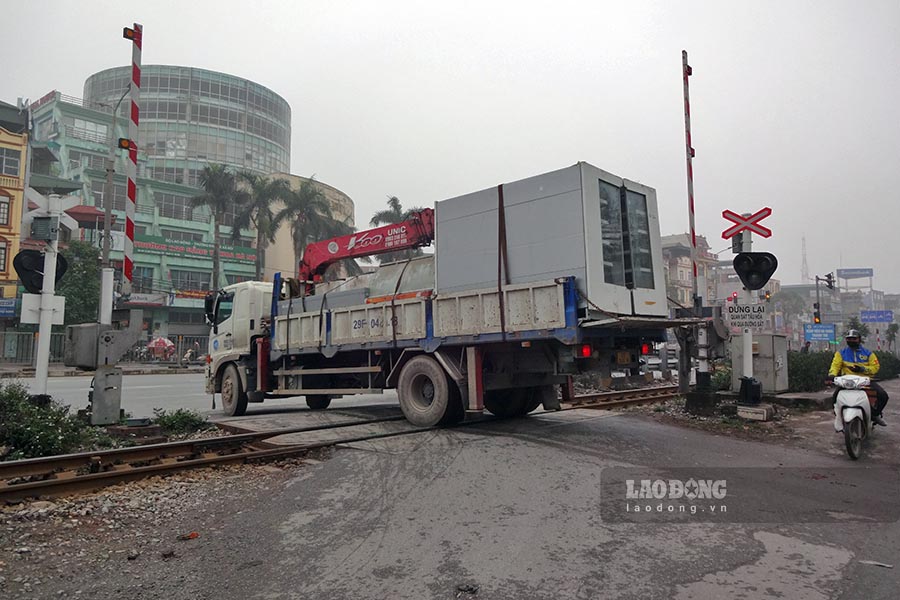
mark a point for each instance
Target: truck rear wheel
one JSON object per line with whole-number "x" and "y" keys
{"x": 234, "y": 398}
{"x": 424, "y": 392}
{"x": 318, "y": 402}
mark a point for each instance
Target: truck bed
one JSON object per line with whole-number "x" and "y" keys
{"x": 540, "y": 310}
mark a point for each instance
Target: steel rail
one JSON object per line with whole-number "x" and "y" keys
{"x": 59, "y": 475}
{"x": 104, "y": 459}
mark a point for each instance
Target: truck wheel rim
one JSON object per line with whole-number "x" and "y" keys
{"x": 422, "y": 391}
{"x": 227, "y": 387}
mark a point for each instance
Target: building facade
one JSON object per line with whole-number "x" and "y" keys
{"x": 676, "y": 250}
{"x": 13, "y": 153}
{"x": 190, "y": 118}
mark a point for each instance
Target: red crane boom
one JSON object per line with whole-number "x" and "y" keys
{"x": 416, "y": 231}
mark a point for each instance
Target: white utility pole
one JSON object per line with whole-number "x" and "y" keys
{"x": 747, "y": 337}
{"x": 45, "y": 325}
{"x": 107, "y": 277}
{"x": 45, "y": 308}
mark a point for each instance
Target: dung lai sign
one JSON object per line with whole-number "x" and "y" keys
{"x": 746, "y": 316}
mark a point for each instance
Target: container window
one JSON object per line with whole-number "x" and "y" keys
{"x": 611, "y": 234}
{"x": 625, "y": 227}
{"x": 639, "y": 239}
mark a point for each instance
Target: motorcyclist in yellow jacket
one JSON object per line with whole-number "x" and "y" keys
{"x": 858, "y": 360}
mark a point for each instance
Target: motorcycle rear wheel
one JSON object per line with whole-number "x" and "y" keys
{"x": 853, "y": 438}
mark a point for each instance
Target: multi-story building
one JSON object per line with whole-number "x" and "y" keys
{"x": 190, "y": 118}
{"x": 13, "y": 153}
{"x": 678, "y": 269}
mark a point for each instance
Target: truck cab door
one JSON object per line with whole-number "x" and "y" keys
{"x": 222, "y": 340}
{"x": 240, "y": 321}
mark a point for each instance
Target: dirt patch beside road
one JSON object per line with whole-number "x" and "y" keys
{"x": 799, "y": 427}
{"x": 133, "y": 533}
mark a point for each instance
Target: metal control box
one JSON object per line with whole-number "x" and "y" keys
{"x": 770, "y": 366}
{"x": 579, "y": 221}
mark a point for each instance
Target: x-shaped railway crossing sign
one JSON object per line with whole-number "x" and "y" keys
{"x": 749, "y": 223}
{"x": 66, "y": 202}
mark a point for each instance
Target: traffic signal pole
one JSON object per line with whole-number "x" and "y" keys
{"x": 107, "y": 278}
{"x": 45, "y": 324}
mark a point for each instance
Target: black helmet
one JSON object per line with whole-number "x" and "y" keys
{"x": 853, "y": 338}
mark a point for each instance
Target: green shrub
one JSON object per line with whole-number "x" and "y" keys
{"x": 890, "y": 365}
{"x": 40, "y": 426}
{"x": 180, "y": 421}
{"x": 807, "y": 371}
{"x": 721, "y": 377}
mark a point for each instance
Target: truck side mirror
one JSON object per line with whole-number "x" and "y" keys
{"x": 209, "y": 307}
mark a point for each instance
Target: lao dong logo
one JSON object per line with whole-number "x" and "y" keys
{"x": 675, "y": 489}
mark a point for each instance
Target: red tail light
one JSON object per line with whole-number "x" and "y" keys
{"x": 645, "y": 349}
{"x": 585, "y": 351}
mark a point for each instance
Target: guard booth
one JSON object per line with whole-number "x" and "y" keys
{"x": 770, "y": 365}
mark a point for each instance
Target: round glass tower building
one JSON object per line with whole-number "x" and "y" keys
{"x": 192, "y": 117}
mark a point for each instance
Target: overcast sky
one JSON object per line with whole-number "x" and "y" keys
{"x": 795, "y": 105}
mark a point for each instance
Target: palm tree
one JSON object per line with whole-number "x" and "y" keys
{"x": 392, "y": 215}
{"x": 258, "y": 213}
{"x": 309, "y": 215}
{"x": 221, "y": 195}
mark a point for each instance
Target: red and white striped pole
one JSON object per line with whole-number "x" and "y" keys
{"x": 703, "y": 374}
{"x": 689, "y": 152}
{"x": 136, "y": 35}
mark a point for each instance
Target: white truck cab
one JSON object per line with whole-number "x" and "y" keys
{"x": 236, "y": 314}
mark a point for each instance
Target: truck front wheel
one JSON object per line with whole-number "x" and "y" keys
{"x": 234, "y": 398}
{"x": 318, "y": 401}
{"x": 424, "y": 392}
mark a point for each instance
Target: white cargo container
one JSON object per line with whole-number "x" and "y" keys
{"x": 579, "y": 221}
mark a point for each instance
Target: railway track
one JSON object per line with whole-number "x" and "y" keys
{"x": 66, "y": 474}
{"x": 618, "y": 399}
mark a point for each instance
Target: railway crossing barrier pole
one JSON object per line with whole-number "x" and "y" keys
{"x": 698, "y": 279}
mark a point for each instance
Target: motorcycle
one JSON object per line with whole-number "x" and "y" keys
{"x": 853, "y": 412}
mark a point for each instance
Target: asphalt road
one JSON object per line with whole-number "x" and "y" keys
{"x": 142, "y": 393}
{"x": 516, "y": 510}
{"x": 521, "y": 509}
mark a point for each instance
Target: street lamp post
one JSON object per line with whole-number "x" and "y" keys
{"x": 106, "y": 281}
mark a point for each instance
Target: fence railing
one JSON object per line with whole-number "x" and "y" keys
{"x": 20, "y": 348}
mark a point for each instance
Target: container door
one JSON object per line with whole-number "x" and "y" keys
{"x": 604, "y": 241}
{"x": 644, "y": 250}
